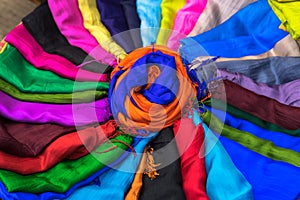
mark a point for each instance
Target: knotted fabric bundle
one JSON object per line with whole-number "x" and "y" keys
{"x": 150, "y": 88}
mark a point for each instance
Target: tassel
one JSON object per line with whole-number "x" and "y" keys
{"x": 150, "y": 168}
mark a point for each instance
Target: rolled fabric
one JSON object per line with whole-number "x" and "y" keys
{"x": 133, "y": 21}
{"x": 21, "y": 39}
{"x": 165, "y": 89}
{"x": 215, "y": 13}
{"x": 25, "y": 140}
{"x": 67, "y": 173}
{"x": 185, "y": 21}
{"x": 91, "y": 21}
{"x": 69, "y": 21}
{"x": 149, "y": 12}
{"x": 285, "y": 93}
{"x": 279, "y": 139}
{"x": 18, "y": 72}
{"x": 190, "y": 143}
{"x": 66, "y": 114}
{"x": 42, "y": 27}
{"x": 69, "y": 146}
{"x": 115, "y": 183}
{"x": 271, "y": 70}
{"x": 270, "y": 179}
{"x": 64, "y": 98}
{"x": 251, "y": 37}
{"x": 249, "y": 117}
{"x": 113, "y": 17}
{"x": 52, "y": 195}
{"x": 168, "y": 184}
{"x": 260, "y": 106}
{"x": 169, "y": 8}
{"x": 227, "y": 176}
{"x": 262, "y": 146}
{"x": 286, "y": 12}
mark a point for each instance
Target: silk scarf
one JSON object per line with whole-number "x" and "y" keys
{"x": 185, "y": 21}
{"x": 18, "y": 72}
{"x": 149, "y": 12}
{"x": 64, "y": 114}
{"x": 69, "y": 21}
{"x": 67, "y": 173}
{"x": 71, "y": 146}
{"x": 251, "y": 37}
{"x": 262, "y": 107}
{"x": 113, "y": 17}
{"x": 92, "y": 23}
{"x": 21, "y": 39}
{"x": 137, "y": 102}
{"x": 169, "y": 9}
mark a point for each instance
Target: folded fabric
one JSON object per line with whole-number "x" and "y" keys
{"x": 114, "y": 183}
{"x": 285, "y": 93}
{"x": 185, "y": 21}
{"x": 18, "y": 72}
{"x": 271, "y": 70}
{"x": 279, "y": 139}
{"x": 133, "y": 21}
{"x": 270, "y": 110}
{"x": 262, "y": 146}
{"x": 169, "y": 8}
{"x": 224, "y": 180}
{"x": 149, "y": 12}
{"x": 257, "y": 34}
{"x": 69, "y": 21}
{"x": 190, "y": 143}
{"x": 217, "y": 104}
{"x": 150, "y": 89}
{"x": 21, "y": 39}
{"x": 113, "y": 17}
{"x": 52, "y": 195}
{"x": 286, "y": 12}
{"x": 270, "y": 179}
{"x": 215, "y": 13}
{"x": 92, "y": 23}
{"x": 64, "y": 114}
{"x": 72, "y": 146}
{"x": 69, "y": 172}
{"x": 27, "y": 140}
{"x": 42, "y": 27}
{"x": 168, "y": 183}
{"x": 67, "y": 98}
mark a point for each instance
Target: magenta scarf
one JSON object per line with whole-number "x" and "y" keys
{"x": 185, "y": 20}
{"x": 22, "y": 40}
{"x": 69, "y": 21}
{"x": 64, "y": 114}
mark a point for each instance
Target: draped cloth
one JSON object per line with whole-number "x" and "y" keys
{"x": 149, "y": 12}
{"x": 92, "y": 22}
{"x": 64, "y": 114}
{"x": 42, "y": 27}
{"x": 286, "y": 12}
{"x": 257, "y": 34}
{"x": 185, "y": 21}
{"x": 169, "y": 9}
{"x": 219, "y": 166}
{"x": 150, "y": 89}
{"x": 25, "y": 140}
{"x": 65, "y": 174}
{"x": 70, "y": 22}
{"x": 71, "y": 146}
{"x": 263, "y": 107}
{"x": 18, "y": 72}
{"x": 190, "y": 142}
